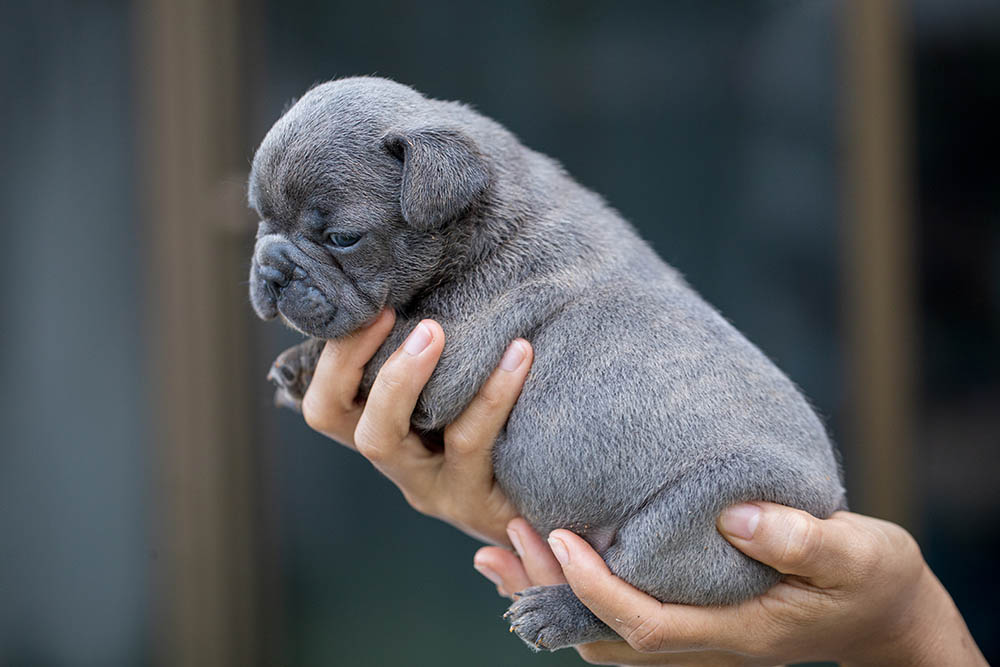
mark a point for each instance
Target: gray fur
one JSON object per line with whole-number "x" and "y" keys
{"x": 645, "y": 414}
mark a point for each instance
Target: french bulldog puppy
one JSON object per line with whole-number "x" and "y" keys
{"x": 645, "y": 414}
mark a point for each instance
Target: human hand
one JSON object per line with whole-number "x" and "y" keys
{"x": 857, "y": 590}
{"x": 455, "y": 485}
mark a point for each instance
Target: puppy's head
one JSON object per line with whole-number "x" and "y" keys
{"x": 356, "y": 187}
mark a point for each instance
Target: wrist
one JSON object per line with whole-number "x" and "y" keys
{"x": 927, "y": 629}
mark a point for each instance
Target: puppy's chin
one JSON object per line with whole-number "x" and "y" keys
{"x": 311, "y": 329}
{"x": 337, "y": 323}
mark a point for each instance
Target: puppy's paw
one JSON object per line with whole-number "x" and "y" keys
{"x": 551, "y": 617}
{"x": 292, "y": 372}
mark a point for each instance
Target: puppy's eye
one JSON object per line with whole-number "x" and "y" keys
{"x": 342, "y": 240}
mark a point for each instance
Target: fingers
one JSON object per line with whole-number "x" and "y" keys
{"x": 620, "y": 653}
{"x": 383, "y": 431}
{"x": 540, "y": 564}
{"x": 795, "y": 542}
{"x": 534, "y": 564}
{"x": 328, "y": 405}
{"x": 469, "y": 439}
{"x": 503, "y": 568}
{"x": 645, "y": 623}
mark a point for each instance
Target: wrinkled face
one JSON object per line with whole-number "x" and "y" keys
{"x": 333, "y": 245}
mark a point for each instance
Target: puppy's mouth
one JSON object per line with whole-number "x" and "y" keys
{"x": 306, "y": 308}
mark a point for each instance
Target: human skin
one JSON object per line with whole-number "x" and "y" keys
{"x": 856, "y": 589}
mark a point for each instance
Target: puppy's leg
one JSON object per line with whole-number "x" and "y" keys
{"x": 292, "y": 372}
{"x": 661, "y": 551}
{"x": 672, "y": 550}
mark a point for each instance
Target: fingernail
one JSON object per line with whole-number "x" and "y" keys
{"x": 559, "y": 549}
{"x": 740, "y": 520}
{"x": 516, "y": 541}
{"x": 418, "y": 340}
{"x": 488, "y": 573}
{"x": 513, "y": 357}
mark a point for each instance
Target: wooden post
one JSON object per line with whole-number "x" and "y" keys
{"x": 878, "y": 259}
{"x": 193, "y": 158}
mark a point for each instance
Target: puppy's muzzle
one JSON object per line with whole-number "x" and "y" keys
{"x": 276, "y": 269}
{"x": 274, "y": 275}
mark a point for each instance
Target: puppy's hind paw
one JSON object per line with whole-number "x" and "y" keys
{"x": 527, "y": 617}
{"x": 551, "y": 617}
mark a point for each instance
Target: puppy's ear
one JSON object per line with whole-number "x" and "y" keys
{"x": 443, "y": 174}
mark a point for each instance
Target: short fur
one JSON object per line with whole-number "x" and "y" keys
{"x": 645, "y": 413}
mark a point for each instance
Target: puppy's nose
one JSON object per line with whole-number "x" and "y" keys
{"x": 275, "y": 268}
{"x": 274, "y": 278}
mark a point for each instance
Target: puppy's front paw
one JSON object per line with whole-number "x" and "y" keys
{"x": 551, "y": 617}
{"x": 292, "y": 372}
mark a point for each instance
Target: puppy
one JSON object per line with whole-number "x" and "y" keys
{"x": 646, "y": 413}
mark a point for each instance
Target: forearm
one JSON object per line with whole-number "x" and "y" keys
{"x": 930, "y": 632}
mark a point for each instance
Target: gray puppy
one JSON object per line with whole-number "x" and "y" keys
{"x": 645, "y": 414}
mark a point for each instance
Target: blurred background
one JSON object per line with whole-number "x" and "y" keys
{"x": 824, "y": 173}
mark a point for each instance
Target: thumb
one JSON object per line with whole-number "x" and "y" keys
{"x": 789, "y": 540}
